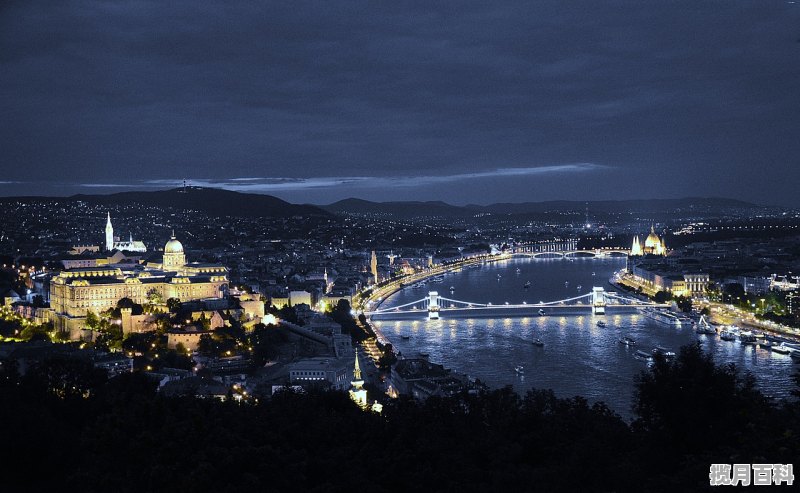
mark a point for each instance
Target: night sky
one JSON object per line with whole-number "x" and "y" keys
{"x": 465, "y": 102}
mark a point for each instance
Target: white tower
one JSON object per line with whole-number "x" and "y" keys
{"x": 373, "y": 266}
{"x": 357, "y": 392}
{"x": 109, "y": 234}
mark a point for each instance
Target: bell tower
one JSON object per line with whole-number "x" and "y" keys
{"x": 109, "y": 234}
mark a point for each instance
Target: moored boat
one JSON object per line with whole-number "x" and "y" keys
{"x": 627, "y": 341}
{"x": 703, "y": 327}
{"x": 541, "y": 311}
{"x": 663, "y": 316}
{"x": 747, "y": 338}
{"x": 643, "y": 355}
{"x": 780, "y": 349}
{"x": 666, "y": 353}
{"x": 729, "y": 333}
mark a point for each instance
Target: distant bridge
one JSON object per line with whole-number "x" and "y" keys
{"x": 596, "y": 253}
{"x": 565, "y": 248}
{"x": 596, "y": 300}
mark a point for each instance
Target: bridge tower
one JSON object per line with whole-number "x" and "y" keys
{"x": 598, "y": 301}
{"x": 433, "y": 305}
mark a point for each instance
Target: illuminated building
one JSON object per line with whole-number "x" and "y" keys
{"x": 74, "y": 292}
{"x": 636, "y": 248}
{"x": 357, "y": 392}
{"x": 373, "y": 265}
{"x": 653, "y": 245}
{"x": 128, "y": 246}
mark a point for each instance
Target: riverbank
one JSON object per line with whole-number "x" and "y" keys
{"x": 378, "y": 294}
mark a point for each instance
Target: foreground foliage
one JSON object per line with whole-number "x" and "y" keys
{"x": 67, "y": 428}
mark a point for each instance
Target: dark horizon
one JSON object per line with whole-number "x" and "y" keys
{"x": 328, "y": 203}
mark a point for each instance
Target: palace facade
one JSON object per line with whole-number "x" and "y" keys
{"x": 75, "y": 292}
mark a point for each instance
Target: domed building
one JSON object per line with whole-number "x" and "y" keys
{"x": 174, "y": 258}
{"x": 653, "y": 245}
{"x": 75, "y": 292}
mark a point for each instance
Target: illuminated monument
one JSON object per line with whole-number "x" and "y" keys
{"x": 653, "y": 245}
{"x": 357, "y": 392}
{"x": 74, "y": 292}
{"x": 128, "y": 246}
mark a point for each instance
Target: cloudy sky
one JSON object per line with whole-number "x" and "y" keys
{"x": 461, "y": 101}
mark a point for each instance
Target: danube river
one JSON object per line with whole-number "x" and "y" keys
{"x": 578, "y": 357}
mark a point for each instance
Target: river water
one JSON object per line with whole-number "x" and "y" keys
{"x": 578, "y": 357}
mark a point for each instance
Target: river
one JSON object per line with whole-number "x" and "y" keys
{"x": 578, "y": 357}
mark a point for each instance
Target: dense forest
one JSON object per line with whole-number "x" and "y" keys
{"x": 67, "y": 428}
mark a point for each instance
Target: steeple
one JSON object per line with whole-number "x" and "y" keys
{"x": 373, "y": 264}
{"x": 357, "y": 392}
{"x": 357, "y": 370}
{"x": 109, "y": 234}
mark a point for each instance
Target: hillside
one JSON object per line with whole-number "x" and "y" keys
{"x": 212, "y": 201}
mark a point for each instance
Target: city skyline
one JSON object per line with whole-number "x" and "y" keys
{"x": 478, "y": 104}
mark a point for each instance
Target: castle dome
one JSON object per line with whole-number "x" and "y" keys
{"x": 173, "y": 246}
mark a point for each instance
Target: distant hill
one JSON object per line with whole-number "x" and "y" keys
{"x": 442, "y": 209}
{"x": 212, "y": 201}
{"x": 398, "y": 209}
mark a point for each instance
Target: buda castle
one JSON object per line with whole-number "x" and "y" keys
{"x": 74, "y": 292}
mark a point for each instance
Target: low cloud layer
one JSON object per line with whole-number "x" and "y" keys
{"x": 673, "y": 98}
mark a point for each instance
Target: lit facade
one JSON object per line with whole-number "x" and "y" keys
{"x": 74, "y": 292}
{"x": 653, "y": 245}
{"x": 129, "y": 246}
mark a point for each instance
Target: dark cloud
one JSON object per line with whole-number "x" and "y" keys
{"x": 678, "y": 98}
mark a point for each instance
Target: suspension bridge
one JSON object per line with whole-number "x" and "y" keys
{"x": 597, "y": 300}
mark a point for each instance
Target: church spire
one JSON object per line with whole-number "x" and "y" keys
{"x": 357, "y": 369}
{"x": 109, "y": 233}
{"x": 357, "y": 392}
{"x": 373, "y": 265}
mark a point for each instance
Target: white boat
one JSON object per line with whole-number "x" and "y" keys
{"x": 600, "y": 323}
{"x": 541, "y": 311}
{"x": 727, "y": 335}
{"x": 627, "y": 341}
{"x": 527, "y": 285}
{"x": 643, "y": 355}
{"x": 538, "y": 343}
{"x": 663, "y": 316}
{"x": 519, "y": 370}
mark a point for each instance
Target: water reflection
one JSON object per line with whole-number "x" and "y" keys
{"x": 578, "y": 357}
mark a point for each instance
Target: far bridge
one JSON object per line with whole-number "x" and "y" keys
{"x": 564, "y": 249}
{"x": 596, "y": 301}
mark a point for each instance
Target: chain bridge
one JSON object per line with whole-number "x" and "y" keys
{"x": 596, "y": 301}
